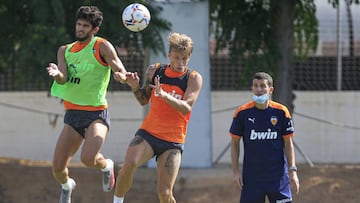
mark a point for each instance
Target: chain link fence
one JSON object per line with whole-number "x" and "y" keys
{"x": 318, "y": 71}
{"x": 311, "y": 73}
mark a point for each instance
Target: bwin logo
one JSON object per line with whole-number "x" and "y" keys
{"x": 269, "y": 135}
{"x": 172, "y": 93}
{"x": 74, "y": 80}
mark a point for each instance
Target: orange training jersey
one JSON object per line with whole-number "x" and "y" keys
{"x": 163, "y": 121}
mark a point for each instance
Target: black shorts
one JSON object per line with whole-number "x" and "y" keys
{"x": 159, "y": 146}
{"x": 80, "y": 120}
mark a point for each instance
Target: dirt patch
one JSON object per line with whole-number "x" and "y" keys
{"x": 24, "y": 181}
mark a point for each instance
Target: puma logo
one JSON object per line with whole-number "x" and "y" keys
{"x": 251, "y": 120}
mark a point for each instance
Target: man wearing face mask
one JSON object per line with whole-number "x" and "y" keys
{"x": 266, "y": 129}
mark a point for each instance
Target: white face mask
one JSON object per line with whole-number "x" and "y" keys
{"x": 261, "y": 99}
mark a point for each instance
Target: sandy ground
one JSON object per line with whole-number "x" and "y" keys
{"x": 24, "y": 181}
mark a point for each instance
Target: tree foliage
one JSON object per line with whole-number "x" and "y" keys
{"x": 335, "y": 3}
{"x": 33, "y": 30}
{"x": 248, "y": 29}
{"x": 265, "y": 35}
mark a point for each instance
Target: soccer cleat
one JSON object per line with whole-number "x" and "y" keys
{"x": 65, "y": 195}
{"x": 108, "y": 178}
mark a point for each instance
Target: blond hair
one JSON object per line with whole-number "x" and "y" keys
{"x": 180, "y": 43}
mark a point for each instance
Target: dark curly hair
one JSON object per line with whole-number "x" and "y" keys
{"x": 91, "y": 14}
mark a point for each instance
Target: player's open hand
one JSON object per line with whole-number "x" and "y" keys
{"x": 133, "y": 80}
{"x": 157, "y": 87}
{"x": 120, "y": 77}
{"x": 53, "y": 70}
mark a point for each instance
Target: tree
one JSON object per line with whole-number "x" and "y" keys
{"x": 348, "y": 3}
{"x": 33, "y": 30}
{"x": 296, "y": 32}
{"x": 263, "y": 35}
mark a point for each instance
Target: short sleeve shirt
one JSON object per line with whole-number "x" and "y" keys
{"x": 263, "y": 131}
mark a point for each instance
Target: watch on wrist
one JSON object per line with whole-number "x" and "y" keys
{"x": 293, "y": 168}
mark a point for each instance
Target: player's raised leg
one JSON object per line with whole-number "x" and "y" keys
{"x": 138, "y": 152}
{"x": 91, "y": 156}
{"x": 168, "y": 165}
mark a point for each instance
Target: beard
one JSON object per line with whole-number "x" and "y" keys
{"x": 82, "y": 39}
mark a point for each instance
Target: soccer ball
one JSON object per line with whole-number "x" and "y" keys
{"x": 136, "y": 17}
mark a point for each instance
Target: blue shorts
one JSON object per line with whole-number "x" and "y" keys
{"x": 159, "y": 146}
{"x": 80, "y": 120}
{"x": 277, "y": 191}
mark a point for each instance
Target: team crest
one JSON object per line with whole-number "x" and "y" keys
{"x": 273, "y": 120}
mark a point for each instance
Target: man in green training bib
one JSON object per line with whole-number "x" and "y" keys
{"x": 81, "y": 77}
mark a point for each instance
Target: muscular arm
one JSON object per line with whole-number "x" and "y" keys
{"x": 108, "y": 52}
{"x": 191, "y": 94}
{"x": 143, "y": 93}
{"x": 59, "y": 72}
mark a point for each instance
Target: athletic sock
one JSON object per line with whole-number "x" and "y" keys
{"x": 108, "y": 165}
{"x": 69, "y": 185}
{"x": 118, "y": 199}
